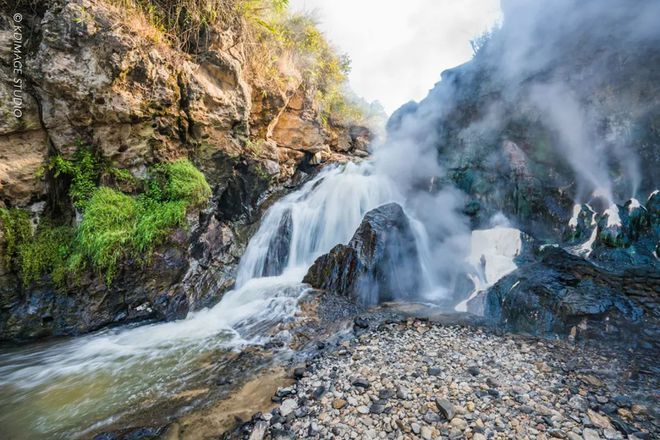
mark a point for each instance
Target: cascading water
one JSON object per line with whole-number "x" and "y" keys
{"x": 325, "y": 212}
{"x": 61, "y": 390}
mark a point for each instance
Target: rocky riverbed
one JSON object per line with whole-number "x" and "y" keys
{"x": 419, "y": 379}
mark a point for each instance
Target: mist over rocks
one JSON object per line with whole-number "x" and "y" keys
{"x": 559, "y": 102}
{"x": 520, "y": 187}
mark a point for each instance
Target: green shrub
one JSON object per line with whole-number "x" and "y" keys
{"x": 16, "y": 229}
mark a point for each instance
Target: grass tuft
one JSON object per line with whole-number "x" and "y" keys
{"x": 185, "y": 183}
{"x": 106, "y": 233}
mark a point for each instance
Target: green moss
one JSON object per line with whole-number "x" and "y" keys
{"x": 106, "y": 232}
{"x": 83, "y": 169}
{"x": 46, "y": 252}
{"x": 16, "y": 229}
{"x": 122, "y": 175}
{"x": 185, "y": 183}
{"x": 155, "y": 223}
{"x": 114, "y": 225}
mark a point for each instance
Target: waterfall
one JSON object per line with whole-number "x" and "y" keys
{"x": 308, "y": 223}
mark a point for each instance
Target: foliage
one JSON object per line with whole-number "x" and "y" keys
{"x": 155, "y": 222}
{"x": 105, "y": 234}
{"x": 83, "y": 170}
{"x": 184, "y": 22}
{"x": 47, "y": 252}
{"x": 121, "y": 175}
{"x": 117, "y": 226}
{"x": 16, "y": 229}
{"x": 114, "y": 225}
{"x": 273, "y": 36}
{"x": 325, "y": 72}
{"x": 184, "y": 182}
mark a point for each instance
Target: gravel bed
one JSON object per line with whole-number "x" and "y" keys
{"x": 417, "y": 379}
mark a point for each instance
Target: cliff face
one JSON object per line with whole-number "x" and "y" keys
{"x": 97, "y": 75}
{"x": 558, "y": 106}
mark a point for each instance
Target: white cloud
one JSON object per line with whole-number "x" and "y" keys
{"x": 399, "y": 47}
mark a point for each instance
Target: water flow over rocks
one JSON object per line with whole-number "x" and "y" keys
{"x": 145, "y": 364}
{"x": 309, "y": 222}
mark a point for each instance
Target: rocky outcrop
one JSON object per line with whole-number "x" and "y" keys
{"x": 564, "y": 294}
{"x": 192, "y": 270}
{"x": 380, "y": 263}
{"x": 43, "y": 311}
{"x": 606, "y": 287}
{"x": 141, "y": 101}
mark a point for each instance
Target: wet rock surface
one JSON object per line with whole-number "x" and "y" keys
{"x": 568, "y": 295}
{"x": 380, "y": 262}
{"x": 380, "y": 385}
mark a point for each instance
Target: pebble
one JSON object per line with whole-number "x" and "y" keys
{"x": 590, "y": 434}
{"x": 339, "y": 403}
{"x": 361, "y": 383}
{"x": 446, "y": 408}
{"x": 417, "y": 379}
{"x": 427, "y": 433}
{"x": 288, "y": 406}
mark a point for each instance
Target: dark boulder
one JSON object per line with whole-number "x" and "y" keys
{"x": 380, "y": 263}
{"x": 561, "y": 293}
{"x": 278, "y": 248}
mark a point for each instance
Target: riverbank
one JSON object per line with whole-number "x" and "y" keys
{"x": 419, "y": 379}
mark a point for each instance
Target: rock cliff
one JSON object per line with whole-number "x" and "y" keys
{"x": 543, "y": 116}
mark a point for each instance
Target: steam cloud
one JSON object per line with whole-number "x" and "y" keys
{"x": 555, "y": 56}
{"x": 552, "y": 60}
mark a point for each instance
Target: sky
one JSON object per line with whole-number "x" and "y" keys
{"x": 400, "y": 47}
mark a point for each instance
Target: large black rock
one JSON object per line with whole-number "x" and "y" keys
{"x": 380, "y": 263}
{"x": 561, "y": 293}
